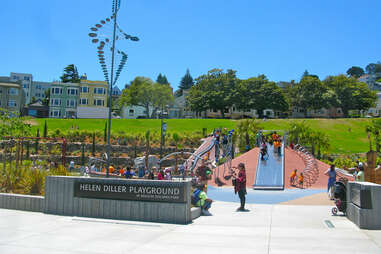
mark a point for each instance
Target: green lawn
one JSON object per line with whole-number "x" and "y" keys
{"x": 343, "y": 140}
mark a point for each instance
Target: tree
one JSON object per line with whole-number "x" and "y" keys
{"x": 12, "y": 125}
{"x": 162, "y": 79}
{"x": 46, "y": 100}
{"x": 307, "y": 74}
{"x": 197, "y": 100}
{"x": 45, "y": 129}
{"x": 217, "y": 90}
{"x": 309, "y": 94}
{"x": 70, "y": 74}
{"x": 373, "y": 68}
{"x": 355, "y": 72}
{"x": 375, "y": 130}
{"x": 351, "y": 94}
{"x": 260, "y": 94}
{"x": 140, "y": 93}
{"x": 185, "y": 83}
{"x": 145, "y": 93}
{"x": 162, "y": 96}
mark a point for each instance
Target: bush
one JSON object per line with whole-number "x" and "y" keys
{"x": 34, "y": 182}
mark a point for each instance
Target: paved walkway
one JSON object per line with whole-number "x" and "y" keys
{"x": 264, "y": 229}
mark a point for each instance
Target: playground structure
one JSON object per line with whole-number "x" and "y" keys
{"x": 311, "y": 169}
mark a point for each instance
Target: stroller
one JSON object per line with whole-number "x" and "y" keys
{"x": 340, "y": 195}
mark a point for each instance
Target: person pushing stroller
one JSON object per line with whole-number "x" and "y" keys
{"x": 340, "y": 197}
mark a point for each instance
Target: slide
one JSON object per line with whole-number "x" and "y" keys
{"x": 206, "y": 146}
{"x": 270, "y": 172}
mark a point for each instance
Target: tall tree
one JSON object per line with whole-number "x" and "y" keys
{"x": 351, "y": 94}
{"x": 355, "y": 72}
{"x": 185, "y": 83}
{"x": 144, "y": 92}
{"x": 260, "y": 94}
{"x": 217, "y": 88}
{"x": 373, "y": 68}
{"x": 309, "y": 94}
{"x": 70, "y": 74}
{"x": 162, "y": 79}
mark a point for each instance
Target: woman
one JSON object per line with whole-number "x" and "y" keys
{"x": 360, "y": 174}
{"x": 331, "y": 173}
{"x": 240, "y": 186}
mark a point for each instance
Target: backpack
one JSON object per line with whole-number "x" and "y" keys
{"x": 195, "y": 197}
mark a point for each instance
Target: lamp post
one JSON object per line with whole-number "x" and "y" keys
{"x": 104, "y": 42}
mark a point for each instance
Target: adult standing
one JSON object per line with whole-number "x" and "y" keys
{"x": 331, "y": 173}
{"x": 240, "y": 186}
{"x": 359, "y": 177}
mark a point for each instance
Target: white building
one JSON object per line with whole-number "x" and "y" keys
{"x": 26, "y": 83}
{"x": 376, "y": 111}
{"x": 38, "y": 89}
{"x": 134, "y": 112}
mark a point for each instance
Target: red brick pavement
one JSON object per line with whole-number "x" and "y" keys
{"x": 292, "y": 161}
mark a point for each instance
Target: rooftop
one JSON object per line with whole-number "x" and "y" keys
{"x": 9, "y": 84}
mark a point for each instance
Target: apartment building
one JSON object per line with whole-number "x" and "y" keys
{"x": 93, "y": 99}
{"x": 11, "y": 96}
{"x": 25, "y": 80}
{"x": 38, "y": 90}
{"x": 64, "y": 99}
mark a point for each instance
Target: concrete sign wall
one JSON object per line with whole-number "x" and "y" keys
{"x": 143, "y": 200}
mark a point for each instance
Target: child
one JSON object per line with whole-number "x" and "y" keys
{"x": 301, "y": 180}
{"x": 293, "y": 177}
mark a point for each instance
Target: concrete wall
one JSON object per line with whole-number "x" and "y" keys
{"x": 368, "y": 216}
{"x": 59, "y": 199}
{"x": 22, "y": 202}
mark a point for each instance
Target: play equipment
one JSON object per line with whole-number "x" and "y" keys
{"x": 270, "y": 172}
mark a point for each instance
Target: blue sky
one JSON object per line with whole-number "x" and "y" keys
{"x": 278, "y": 38}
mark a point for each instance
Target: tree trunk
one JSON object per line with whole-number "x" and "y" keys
{"x": 319, "y": 153}
{"x": 313, "y": 149}
{"x": 345, "y": 112}
{"x": 260, "y": 113}
{"x": 147, "y": 110}
{"x": 222, "y": 113}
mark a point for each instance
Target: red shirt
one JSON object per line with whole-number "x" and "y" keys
{"x": 160, "y": 176}
{"x": 240, "y": 181}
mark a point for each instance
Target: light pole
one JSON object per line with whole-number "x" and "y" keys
{"x": 104, "y": 42}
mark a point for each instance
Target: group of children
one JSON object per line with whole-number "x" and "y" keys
{"x": 293, "y": 178}
{"x": 130, "y": 173}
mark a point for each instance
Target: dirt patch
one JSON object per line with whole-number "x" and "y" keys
{"x": 31, "y": 122}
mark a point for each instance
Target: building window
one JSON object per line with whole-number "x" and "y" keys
{"x": 131, "y": 112}
{"x": 56, "y": 90}
{"x": 15, "y": 78}
{"x": 26, "y": 85}
{"x": 38, "y": 86}
{"x": 98, "y": 102}
{"x": 55, "y": 113}
{"x": 339, "y": 111}
{"x": 84, "y": 89}
{"x": 55, "y": 102}
{"x": 12, "y": 103}
{"x": 13, "y": 91}
{"x": 71, "y": 103}
{"x": 1, "y": 90}
{"x": 0, "y": 103}
{"x": 72, "y": 91}
{"x": 26, "y": 78}
{"x": 83, "y": 101}
{"x": 99, "y": 90}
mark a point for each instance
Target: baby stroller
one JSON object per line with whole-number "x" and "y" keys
{"x": 340, "y": 195}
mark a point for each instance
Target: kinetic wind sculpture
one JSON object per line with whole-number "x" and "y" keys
{"x": 105, "y": 40}
{"x": 106, "y": 44}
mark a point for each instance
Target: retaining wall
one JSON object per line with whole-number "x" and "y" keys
{"x": 364, "y": 204}
{"x": 22, "y": 202}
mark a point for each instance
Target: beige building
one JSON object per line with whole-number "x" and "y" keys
{"x": 11, "y": 97}
{"x": 93, "y": 99}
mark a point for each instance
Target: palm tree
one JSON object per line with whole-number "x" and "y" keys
{"x": 298, "y": 132}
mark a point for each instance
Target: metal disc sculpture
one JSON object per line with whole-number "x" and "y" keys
{"x": 104, "y": 35}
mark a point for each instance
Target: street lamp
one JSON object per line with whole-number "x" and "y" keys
{"x": 100, "y": 36}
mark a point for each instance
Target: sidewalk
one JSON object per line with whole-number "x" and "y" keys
{"x": 264, "y": 229}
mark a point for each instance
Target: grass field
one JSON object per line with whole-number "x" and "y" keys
{"x": 346, "y": 135}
